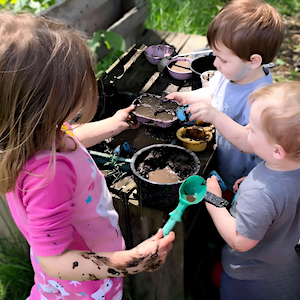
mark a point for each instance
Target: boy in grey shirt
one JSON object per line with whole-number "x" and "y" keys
{"x": 263, "y": 225}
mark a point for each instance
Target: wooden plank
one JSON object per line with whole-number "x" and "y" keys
{"x": 88, "y": 16}
{"x": 168, "y": 281}
{"x": 131, "y": 25}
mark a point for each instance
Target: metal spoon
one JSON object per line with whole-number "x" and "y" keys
{"x": 164, "y": 61}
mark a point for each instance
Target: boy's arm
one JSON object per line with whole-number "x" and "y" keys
{"x": 76, "y": 265}
{"x": 184, "y": 98}
{"x": 225, "y": 223}
{"x": 90, "y": 134}
{"x": 233, "y": 132}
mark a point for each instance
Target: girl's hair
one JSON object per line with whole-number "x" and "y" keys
{"x": 46, "y": 73}
{"x": 281, "y": 119}
{"x": 248, "y": 27}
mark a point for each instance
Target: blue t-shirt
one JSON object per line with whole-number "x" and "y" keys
{"x": 231, "y": 99}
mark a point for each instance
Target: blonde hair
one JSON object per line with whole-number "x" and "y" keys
{"x": 281, "y": 119}
{"x": 248, "y": 27}
{"x": 46, "y": 72}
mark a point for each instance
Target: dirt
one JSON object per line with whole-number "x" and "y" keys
{"x": 287, "y": 62}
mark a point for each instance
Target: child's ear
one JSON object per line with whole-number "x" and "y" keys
{"x": 256, "y": 61}
{"x": 279, "y": 153}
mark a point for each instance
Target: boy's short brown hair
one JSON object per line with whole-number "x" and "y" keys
{"x": 248, "y": 27}
{"x": 281, "y": 119}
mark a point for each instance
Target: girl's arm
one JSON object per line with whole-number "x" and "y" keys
{"x": 225, "y": 223}
{"x": 233, "y": 132}
{"x": 76, "y": 265}
{"x": 190, "y": 97}
{"x": 90, "y": 134}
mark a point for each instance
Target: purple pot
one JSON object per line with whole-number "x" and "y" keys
{"x": 155, "y": 53}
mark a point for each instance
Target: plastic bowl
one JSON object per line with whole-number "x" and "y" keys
{"x": 180, "y": 73}
{"x": 155, "y": 53}
{"x": 194, "y": 138}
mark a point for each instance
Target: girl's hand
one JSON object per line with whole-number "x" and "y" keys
{"x": 151, "y": 254}
{"x": 237, "y": 184}
{"x": 213, "y": 186}
{"x": 125, "y": 120}
{"x": 202, "y": 111}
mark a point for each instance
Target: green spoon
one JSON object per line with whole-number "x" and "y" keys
{"x": 191, "y": 191}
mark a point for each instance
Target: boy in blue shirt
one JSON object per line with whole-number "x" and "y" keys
{"x": 243, "y": 36}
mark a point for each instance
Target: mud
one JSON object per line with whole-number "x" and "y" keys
{"x": 181, "y": 66}
{"x": 153, "y": 107}
{"x": 175, "y": 162}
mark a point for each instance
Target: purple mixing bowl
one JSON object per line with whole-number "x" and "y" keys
{"x": 155, "y": 53}
{"x": 185, "y": 74}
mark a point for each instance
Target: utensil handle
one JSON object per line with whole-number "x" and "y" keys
{"x": 196, "y": 52}
{"x": 215, "y": 200}
{"x": 169, "y": 226}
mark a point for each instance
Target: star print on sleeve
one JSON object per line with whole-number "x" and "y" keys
{"x": 88, "y": 200}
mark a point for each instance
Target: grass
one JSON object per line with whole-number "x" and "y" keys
{"x": 16, "y": 273}
{"x": 194, "y": 16}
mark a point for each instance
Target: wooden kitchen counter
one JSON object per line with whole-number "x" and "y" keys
{"x": 132, "y": 75}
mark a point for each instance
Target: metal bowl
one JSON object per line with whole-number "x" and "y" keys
{"x": 179, "y": 73}
{"x": 155, "y": 53}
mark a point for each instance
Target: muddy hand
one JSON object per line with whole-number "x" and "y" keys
{"x": 182, "y": 98}
{"x": 154, "y": 250}
{"x": 202, "y": 111}
{"x": 127, "y": 116}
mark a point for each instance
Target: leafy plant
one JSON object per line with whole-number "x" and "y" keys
{"x": 16, "y": 273}
{"x": 112, "y": 42}
{"x": 33, "y": 6}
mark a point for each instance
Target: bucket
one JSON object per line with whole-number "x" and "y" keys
{"x": 198, "y": 66}
{"x": 162, "y": 196}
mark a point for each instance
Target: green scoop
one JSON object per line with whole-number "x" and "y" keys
{"x": 191, "y": 191}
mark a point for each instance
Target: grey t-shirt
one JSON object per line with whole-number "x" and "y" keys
{"x": 267, "y": 208}
{"x": 231, "y": 99}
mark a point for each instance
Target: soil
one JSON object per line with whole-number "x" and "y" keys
{"x": 287, "y": 62}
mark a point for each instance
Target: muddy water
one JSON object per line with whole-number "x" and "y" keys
{"x": 190, "y": 198}
{"x": 153, "y": 107}
{"x": 165, "y": 175}
{"x": 181, "y": 66}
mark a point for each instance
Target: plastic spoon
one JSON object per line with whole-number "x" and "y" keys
{"x": 191, "y": 191}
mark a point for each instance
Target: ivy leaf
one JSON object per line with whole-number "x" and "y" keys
{"x": 20, "y": 4}
{"x": 94, "y": 43}
{"x": 114, "y": 40}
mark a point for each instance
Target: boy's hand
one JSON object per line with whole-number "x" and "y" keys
{"x": 202, "y": 111}
{"x": 237, "y": 184}
{"x": 213, "y": 186}
{"x": 182, "y": 98}
{"x": 151, "y": 254}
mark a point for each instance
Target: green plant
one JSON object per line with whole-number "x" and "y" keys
{"x": 16, "y": 273}
{"x": 113, "y": 42}
{"x": 194, "y": 16}
{"x": 33, "y": 6}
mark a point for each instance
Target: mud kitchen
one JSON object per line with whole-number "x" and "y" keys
{"x": 145, "y": 167}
